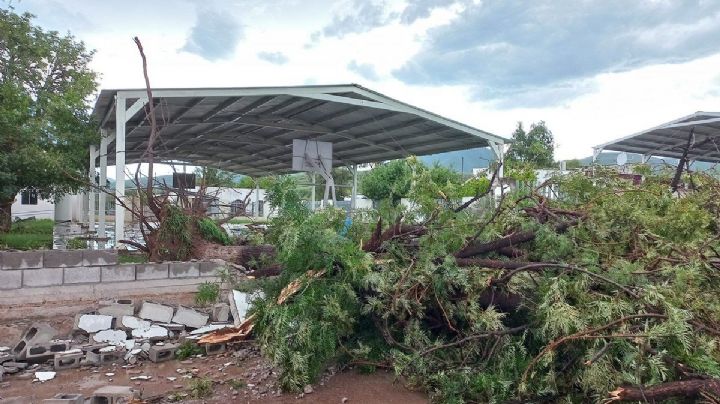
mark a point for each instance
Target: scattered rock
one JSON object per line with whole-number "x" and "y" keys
{"x": 308, "y": 389}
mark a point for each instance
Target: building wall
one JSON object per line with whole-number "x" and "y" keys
{"x": 226, "y": 196}
{"x": 44, "y": 209}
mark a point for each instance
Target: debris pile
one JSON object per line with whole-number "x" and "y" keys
{"x": 606, "y": 291}
{"x": 117, "y": 333}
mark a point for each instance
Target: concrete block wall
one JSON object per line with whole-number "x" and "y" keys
{"x": 35, "y": 269}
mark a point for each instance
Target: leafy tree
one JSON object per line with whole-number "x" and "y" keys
{"x": 389, "y": 180}
{"x": 250, "y": 182}
{"x": 573, "y": 164}
{"x": 213, "y": 177}
{"x": 534, "y": 148}
{"x": 45, "y": 127}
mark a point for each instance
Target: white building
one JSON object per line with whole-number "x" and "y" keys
{"x": 235, "y": 201}
{"x": 29, "y": 204}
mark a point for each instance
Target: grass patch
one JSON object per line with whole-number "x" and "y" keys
{"x": 188, "y": 349}
{"x": 76, "y": 244}
{"x": 207, "y": 293}
{"x": 201, "y": 388}
{"x": 132, "y": 258}
{"x": 236, "y": 384}
{"x": 29, "y": 235}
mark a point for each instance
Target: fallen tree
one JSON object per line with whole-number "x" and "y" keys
{"x": 607, "y": 292}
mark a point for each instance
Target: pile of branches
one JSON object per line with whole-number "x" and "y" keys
{"x": 607, "y": 292}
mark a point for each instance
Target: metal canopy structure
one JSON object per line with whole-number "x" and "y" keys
{"x": 670, "y": 139}
{"x": 251, "y": 130}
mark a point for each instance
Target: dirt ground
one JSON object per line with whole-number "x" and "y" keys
{"x": 239, "y": 375}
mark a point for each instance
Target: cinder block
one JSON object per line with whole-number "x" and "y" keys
{"x": 118, "y": 273}
{"x": 22, "y": 259}
{"x": 221, "y": 312}
{"x": 114, "y": 395}
{"x": 189, "y": 317}
{"x": 156, "y": 312}
{"x": 10, "y": 280}
{"x": 68, "y": 360}
{"x": 42, "y": 277}
{"x": 214, "y": 349}
{"x": 119, "y": 308}
{"x": 63, "y": 398}
{"x": 184, "y": 269}
{"x": 99, "y": 258}
{"x": 101, "y": 356}
{"x": 62, "y": 258}
{"x": 43, "y": 352}
{"x": 81, "y": 275}
{"x": 151, "y": 271}
{"x": 37, "y": 333}
{"x": 211, "y": 268}
{"x": 162, "y": 353}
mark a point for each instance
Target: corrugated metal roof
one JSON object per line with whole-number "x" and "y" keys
{"x": 670, "y": 139}
{"x": 250, "y": 130}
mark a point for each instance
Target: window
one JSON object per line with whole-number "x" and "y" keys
{"x": 28, "y": 197}
{"x": 237, "y": 207}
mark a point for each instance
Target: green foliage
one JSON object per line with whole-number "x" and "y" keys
{"x": 207, "y": 293}
{"x": 76, "y": 244}
{"x": 175, "y": 234}
{"x": 389, "y": 180}
{"x": 534, "y": 148}
{"x": 45, "y": 83}
{"x": 452, "y": 328}
{"x": 236, "y": 384}
{"x": 211, "y": 231}
{"x": 188, "y": 349}
{"x": 29, "y": 235}
{"x": 201, "y": 388}
{"x": 132, "y": 258}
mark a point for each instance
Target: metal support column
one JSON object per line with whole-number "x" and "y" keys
{"x": 119, "y": 169}
{"x": 102, "y": 199}
{"x": 353, "y": 198}
{"x": 257, "y": 200}
{"x": 91, "y": 190}
{"x": 312, "y": 194}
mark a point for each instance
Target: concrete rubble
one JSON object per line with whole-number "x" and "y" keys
{"x": 118, "y": 332}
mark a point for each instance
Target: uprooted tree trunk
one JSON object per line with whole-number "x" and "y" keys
{"x": 692, "y": 389}
{"x": 6, "y": 215}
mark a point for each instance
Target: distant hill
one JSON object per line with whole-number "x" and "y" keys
{"x": 462, "y": 160}
{"x": 610, "y": 158}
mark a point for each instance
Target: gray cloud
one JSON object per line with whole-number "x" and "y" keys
{"x": 506, "y": 47}
{"x": 362, "y": 16}
{"x": 365, "y": 70}
{"x": 417, "y": 9}
{"x": 277, "y": 58}
{"x": 214, "y": 35}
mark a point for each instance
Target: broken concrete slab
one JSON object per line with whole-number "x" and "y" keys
{"x": 239, "y": 306}
{"x": 156, "y": 312}
{"x": 154, "y": 332}
{"x": 113, "y": 337}
{"x": 209, "y": 328}
{"x": 189, "y": 317}
{"x": 221, "y": 312}
{"x": 92, "y": 323}
{"x": 132, "y": 322}
{"x": 118, "y": 308}
{"x": 44, "y": 376}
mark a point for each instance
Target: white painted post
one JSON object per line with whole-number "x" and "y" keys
{"x": 102, "y": 199}
{"x": 119, "y": 169}
{"x": 257, "y": 200}
{"x": 312, "y": 194}
{"x": 91, "y": 191}
{"x": 353, "y": 198}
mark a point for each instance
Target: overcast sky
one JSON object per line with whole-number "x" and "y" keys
{"x": 594, "y": 70}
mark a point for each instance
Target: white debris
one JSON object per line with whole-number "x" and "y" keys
{"x": 135, "y": 351}
{"x": 109, "y": 374}
{"x": 114, "y": 337}
{"x": 141, "y": 377}
{"x": 208, "y": 328}
{"x": 4, "y": 348}
{"x": 110, "y": 348}
{"x": 171, "y": 378}
{"x": 129, "y": 344}
{"x": 71, "y": 351}
{"x": 154, "y": 331}
{"x": 94, "y": 322}
{"x": 44, "y": 376}
{"x": 134, "y": 322}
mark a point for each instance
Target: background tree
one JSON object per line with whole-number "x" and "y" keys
{"x": 534, "y": 148}
{"x": 45, "y": 127}
{"x": 389, "y": 180}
